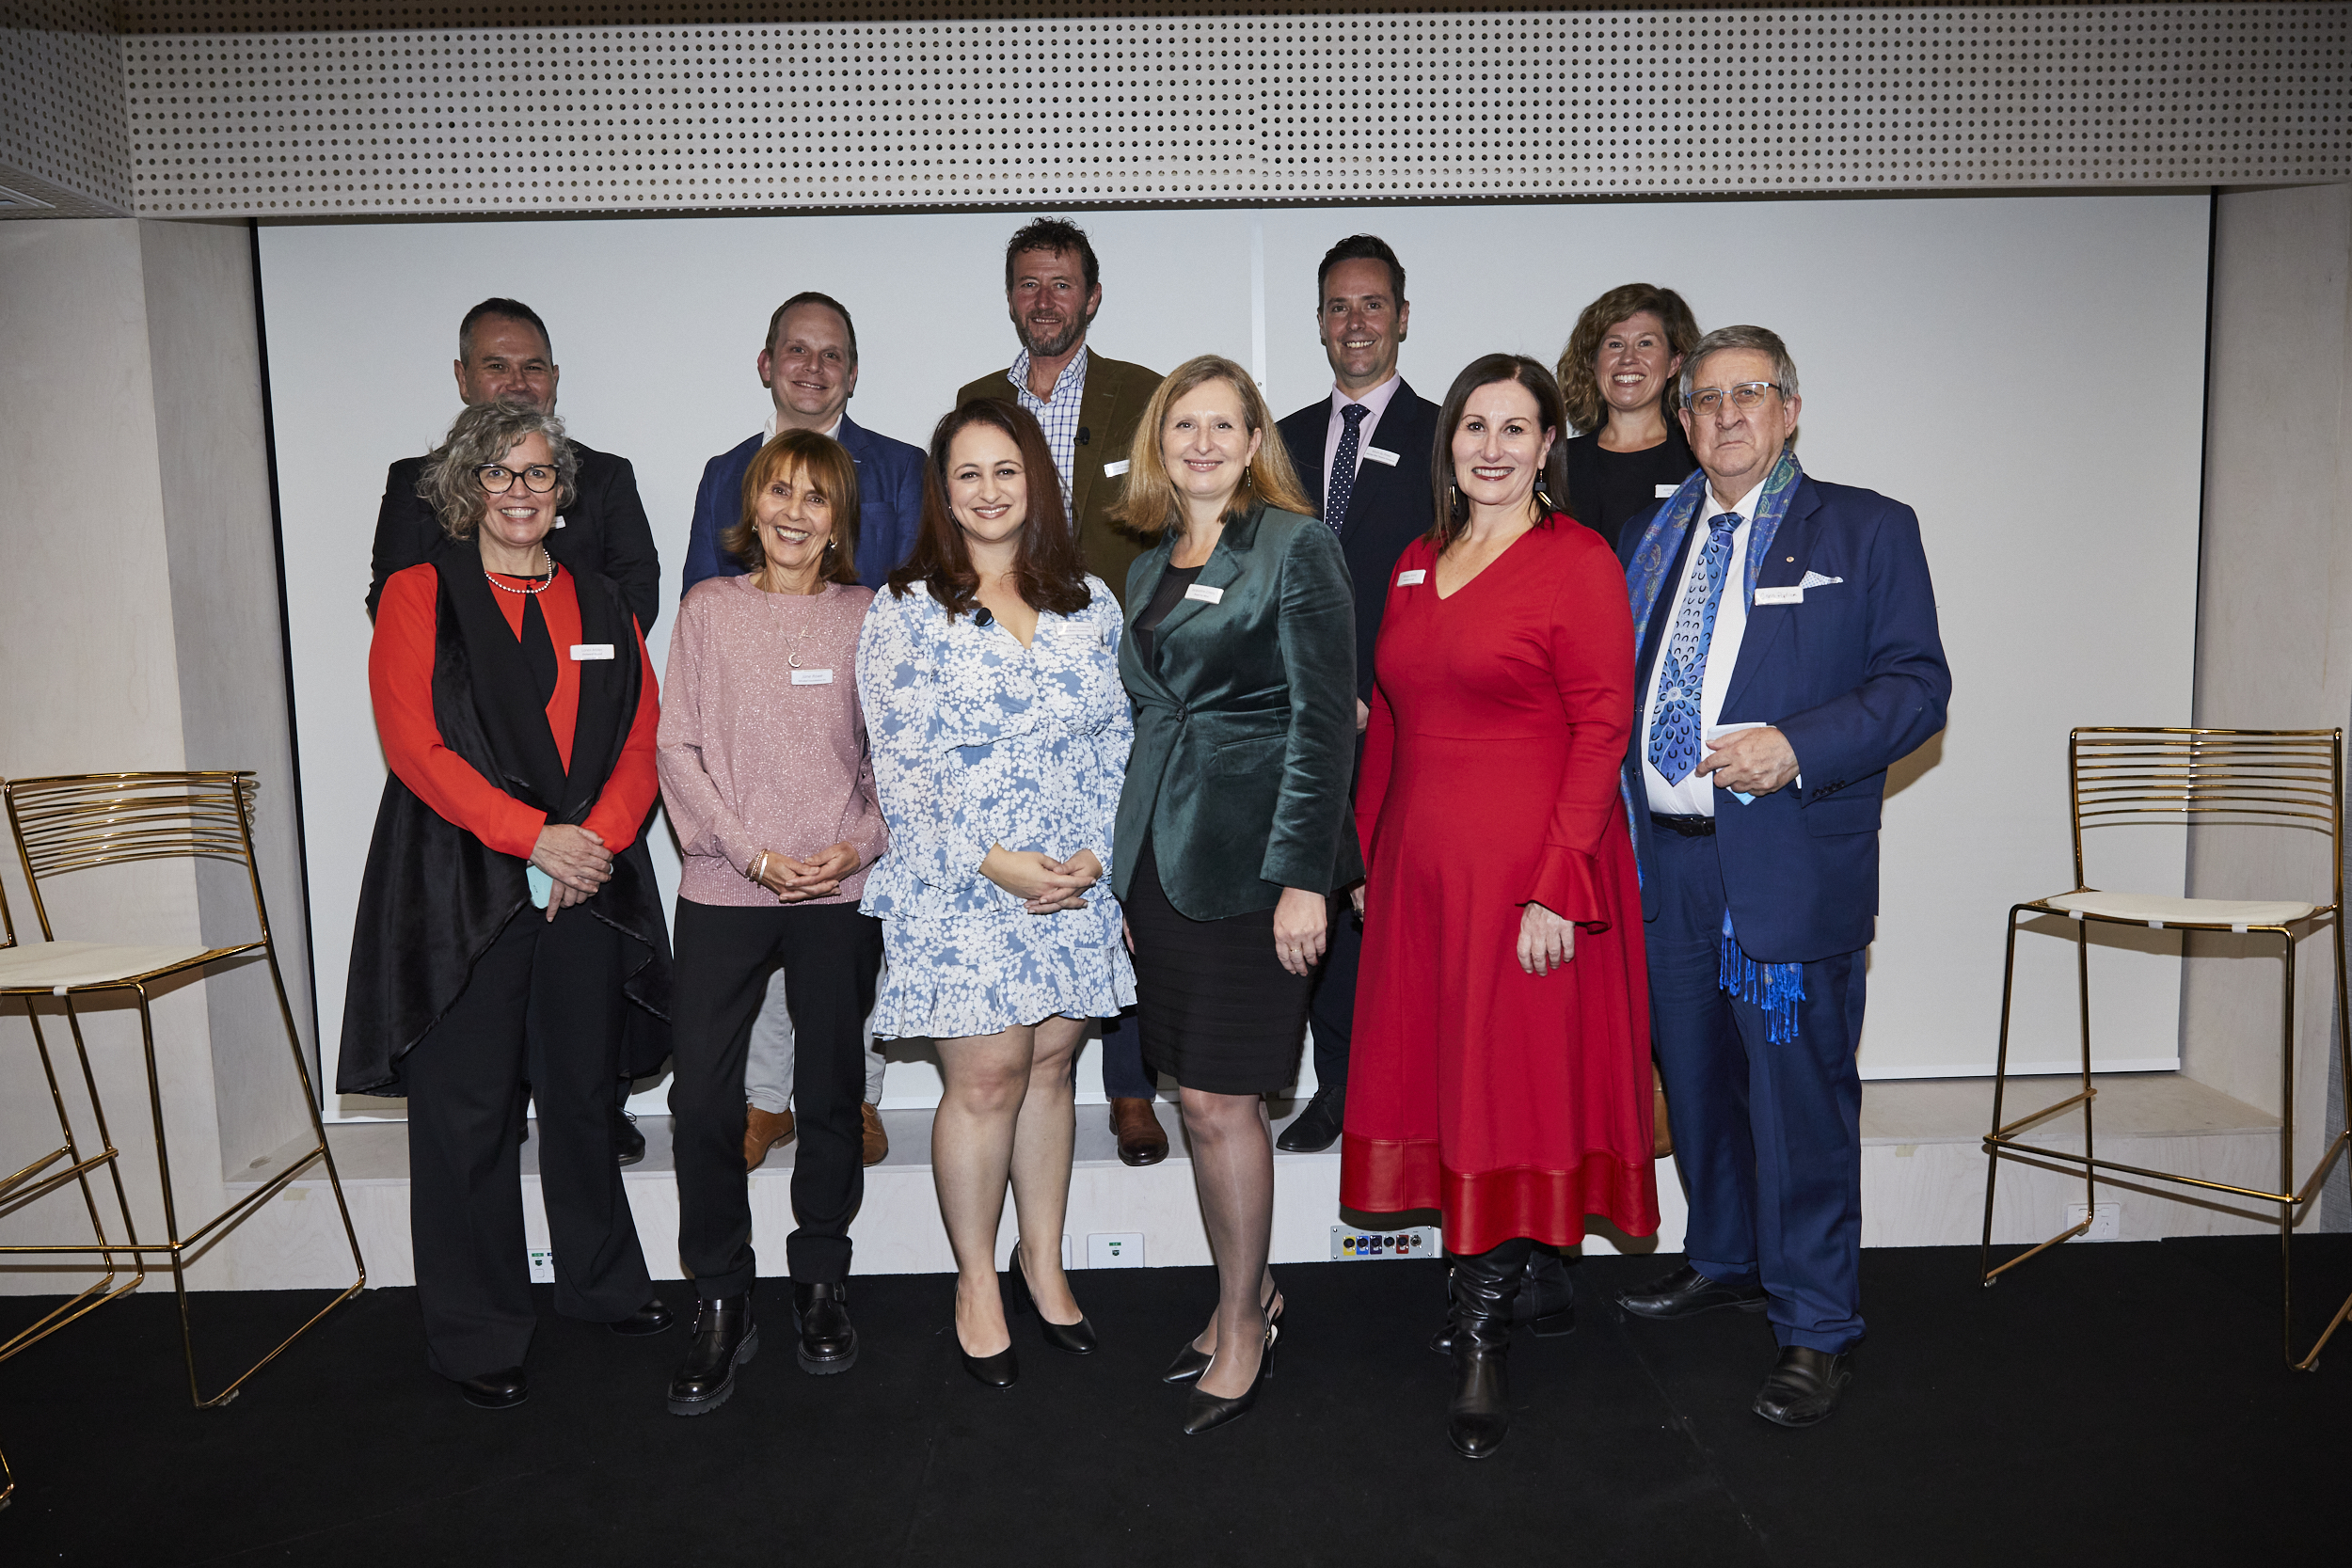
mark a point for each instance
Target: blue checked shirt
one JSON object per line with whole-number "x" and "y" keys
{"x": 1058, "y": 419}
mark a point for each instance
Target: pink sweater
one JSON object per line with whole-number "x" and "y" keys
{"x": 752, "y": 760}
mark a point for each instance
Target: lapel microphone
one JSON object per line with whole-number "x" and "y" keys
{"x": 1086, "y": 437}
{"x": 984, "y": 618}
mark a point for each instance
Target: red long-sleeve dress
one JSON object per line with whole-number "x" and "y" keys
{"x": 1515, "y": 1104}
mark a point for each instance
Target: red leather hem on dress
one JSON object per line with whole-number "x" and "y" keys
{"x": 1486, "y": 1209}
{"x": 1566, "y": 884}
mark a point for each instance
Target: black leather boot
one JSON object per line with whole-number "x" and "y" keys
{"x": 1486, "y": 1285}
{"x": 1547, "y": 1300}
{"x": 725, "y": 1338}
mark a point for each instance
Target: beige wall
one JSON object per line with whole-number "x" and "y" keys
{"x": 140, "y": 630}
{"x": 2275, "y": 607}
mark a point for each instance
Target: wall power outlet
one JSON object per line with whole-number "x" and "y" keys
{"x": 542, "y": 1265}
{"x": 2107, "y": 1222}
{"x": 1123, "y": 1250}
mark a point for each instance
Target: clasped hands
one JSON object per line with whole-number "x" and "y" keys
{"x": 1043, "y": 884}
{"x": 576, "y": 860}
{"x": 794, "y": 880}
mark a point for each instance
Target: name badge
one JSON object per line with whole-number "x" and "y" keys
{"x": 1112, "y": 470}
{"x": 558, "y": 522}
{"x": 1413, "y": 579}
{"x": 1206, "y": 594}
{"x": 1794, "y": 593}
{"x": 1665, "y": 490}
{"x": 591, "y": 650}
{"x": 812, "y": 677}
{"x": 1380, "y": 454}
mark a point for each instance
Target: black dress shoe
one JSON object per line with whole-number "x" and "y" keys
{"x": 1804, "y": 1386}
{"x": 1316, "y": 1128}
{"x": 652, "y": 1318}
{"x": 725, "y": 1337}
{"x": 1206, "y": 1412}
{"x": 503, "y": 1390}
{"x": 1686, "y": 1293}
{"x": 1546, "y": 1302}
{"x": 828, "y": 1338}
{"x": 1188, "y": 1365}
{"x": 1071, "y": 1338}
{"x": 1000, "y": 1371}
{"x": 629, "y": 1143}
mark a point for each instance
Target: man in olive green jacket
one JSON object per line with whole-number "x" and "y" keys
{"x": 1088, "y": 406}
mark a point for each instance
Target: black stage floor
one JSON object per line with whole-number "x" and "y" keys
{"x": 2107, "y": 1404}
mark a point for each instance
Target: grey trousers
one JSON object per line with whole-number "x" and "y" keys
{"x": 767, "y": 1070}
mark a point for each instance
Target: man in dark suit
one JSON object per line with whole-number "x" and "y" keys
{"x": 809, "y": 367}
{"x": 1788, "y": 656}
{"x": 1363, "y": 453}
{"x": 503, "y": 352}
{"x": 1089, "y": 406}
{"x": 808, "y": 363}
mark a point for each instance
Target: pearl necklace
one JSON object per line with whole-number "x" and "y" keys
{"x": 544, "y": 583}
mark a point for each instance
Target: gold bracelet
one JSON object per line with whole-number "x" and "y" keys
{"x": 759, "y": 862}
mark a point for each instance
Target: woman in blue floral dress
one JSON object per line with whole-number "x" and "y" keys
{"x": 988, "y": 675}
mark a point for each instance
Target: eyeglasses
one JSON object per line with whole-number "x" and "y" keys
{"x": 538, "y": 479}
{"x": 1747, "y": 395}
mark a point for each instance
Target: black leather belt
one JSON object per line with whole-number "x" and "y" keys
{"x": 1689, "y": 827}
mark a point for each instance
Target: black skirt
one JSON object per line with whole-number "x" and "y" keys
{"x": 1218, "y": 1011}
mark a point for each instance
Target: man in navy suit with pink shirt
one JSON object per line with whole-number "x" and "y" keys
{"x": 1788, "y": 656}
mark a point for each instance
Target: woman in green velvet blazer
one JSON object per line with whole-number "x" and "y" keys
{"x": 1234, "y": 826}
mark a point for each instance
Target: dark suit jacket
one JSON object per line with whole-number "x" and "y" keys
{"x": 889, "y": 505}
{"x": 1107, "y": 415}
{"x": 1855, "y": 679}
{"x": 1389, "y": 509}
{"x": 1244, "y": 723}
{"x": 603, "y": 530}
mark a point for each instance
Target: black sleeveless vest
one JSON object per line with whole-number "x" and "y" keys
{"x": 435, "y": 896}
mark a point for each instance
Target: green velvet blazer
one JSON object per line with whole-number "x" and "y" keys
{"x": 1244, "y": 722}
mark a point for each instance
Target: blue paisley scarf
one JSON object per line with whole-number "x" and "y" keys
{"x": 1776, "y": 989}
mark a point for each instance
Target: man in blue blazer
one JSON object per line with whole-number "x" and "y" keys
{"x": 809, "y": 367}
{"x": 1788, "y": 656}
{"x": 1363, "y": 453}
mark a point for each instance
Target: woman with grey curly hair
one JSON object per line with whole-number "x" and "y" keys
{"x": 509, "y": 931}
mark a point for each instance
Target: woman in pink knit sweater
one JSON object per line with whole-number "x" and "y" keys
{"x": 765, "y": 770}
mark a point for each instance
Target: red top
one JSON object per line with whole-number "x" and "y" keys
{"x": 400, "y": 679}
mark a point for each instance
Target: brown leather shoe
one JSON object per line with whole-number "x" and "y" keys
{"x": 1140, "y": 1140}
{"x": 876, "y": 1141}
{"x": 762, "y": 1130}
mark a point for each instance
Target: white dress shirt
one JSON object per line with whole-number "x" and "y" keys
{"x": 1695, "y": 796}
{"x": 1377, "y": 400}
{"x": 774, "y": 429}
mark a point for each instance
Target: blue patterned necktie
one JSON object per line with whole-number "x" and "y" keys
{"x": 1673, "y": 730}
{"x": 1343, "y": 483}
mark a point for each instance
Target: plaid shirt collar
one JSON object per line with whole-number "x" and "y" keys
{"x": 1058, "y": 416}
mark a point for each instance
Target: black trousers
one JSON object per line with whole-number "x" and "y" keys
{"x": 543, "y": 1004}
{"x": 1331, "y": 1008}
{"x": 830, "y": 955}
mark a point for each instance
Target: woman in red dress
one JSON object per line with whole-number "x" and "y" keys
{"x": 1503, "y": 1019}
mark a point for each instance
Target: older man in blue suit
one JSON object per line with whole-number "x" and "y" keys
{"x": 809, "y": 367}
{"x": 1789, "y": 656}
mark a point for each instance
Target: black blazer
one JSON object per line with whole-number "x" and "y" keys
{"x": 603, "y": 532}
{"x": 1389, "y": 509}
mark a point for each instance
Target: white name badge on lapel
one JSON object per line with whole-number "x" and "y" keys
{"x": 812, "y": 677}
{"x": 1413, "y": 579}
{"x": 1794, "y": 594}
{"x": 1112, "y": 470}
{"x": 1205, "y": 594}
{"x": 1665, "y": 490}
{"x": 591, "y": 650}
{"x": 1380, "y": 454}
{"x": 558, "y": 522}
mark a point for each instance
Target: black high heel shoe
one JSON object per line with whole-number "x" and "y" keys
{"x": 1072, "y": 1338}
{"x": 1190, "y": 1362}
{"x": 1000, "y": 1371}
{"x": 1206, "y": 1412}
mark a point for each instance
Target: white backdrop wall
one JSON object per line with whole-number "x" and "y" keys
{"x": 2026, "y": 373}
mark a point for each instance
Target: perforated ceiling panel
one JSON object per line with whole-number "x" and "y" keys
{"x": 1071, "y": 112}
{"x": 64, "y": 140}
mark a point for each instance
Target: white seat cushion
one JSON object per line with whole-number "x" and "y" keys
{"x": 47, "y": 965}
{"x": 2156, "y": 909}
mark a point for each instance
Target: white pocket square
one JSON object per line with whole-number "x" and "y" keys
{"x": 1814, "y": 579}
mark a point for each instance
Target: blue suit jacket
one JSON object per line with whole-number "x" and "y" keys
{"x": 1855, "y": 676}
{"x": 889, "y": 494}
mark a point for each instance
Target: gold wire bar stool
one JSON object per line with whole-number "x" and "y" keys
{"x": 2288, "y": 779}
{"x": 74, "y": 823}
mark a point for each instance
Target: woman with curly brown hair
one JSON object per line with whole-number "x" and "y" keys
{"x": 1618, "y": 381}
